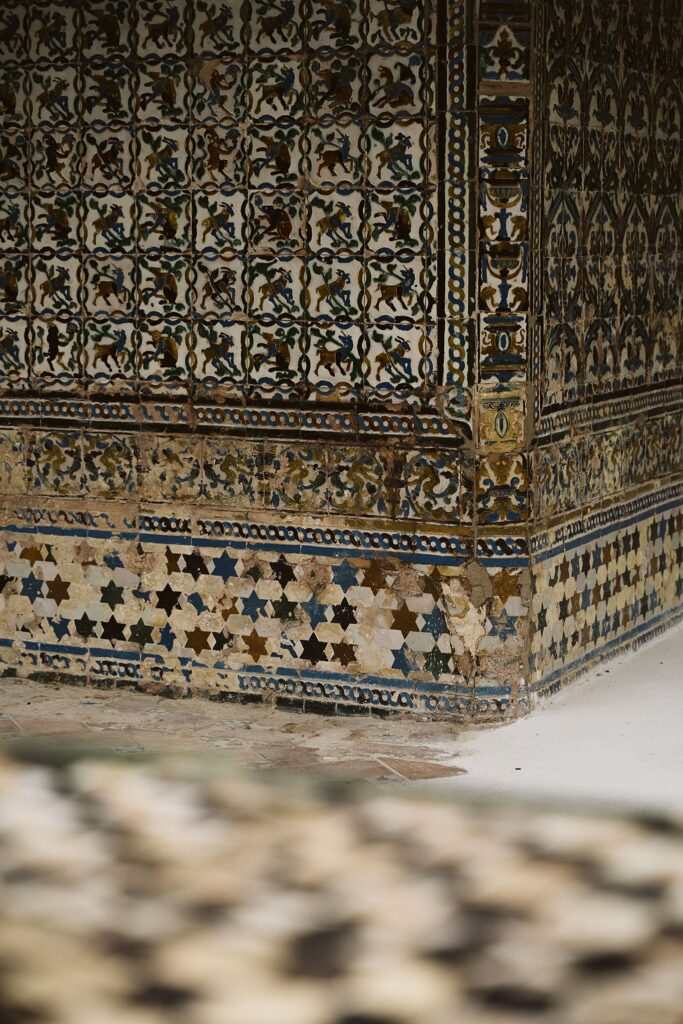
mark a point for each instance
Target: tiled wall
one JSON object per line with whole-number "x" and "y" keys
{"x": 607, "y": 305}
{"x": 240, "y": 415}
{"x": 287, "y": 386}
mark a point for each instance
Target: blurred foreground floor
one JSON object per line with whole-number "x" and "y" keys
{"x": 175, "y": 892}
{"x": 613, "y": 736}
{"x": 178, "y": 891}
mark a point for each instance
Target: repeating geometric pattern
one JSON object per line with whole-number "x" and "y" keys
{"x": 611, "y": 178}
{"x": 607, "y": 351}
{"x": 578, "y": 911}
{"x": 593, "y": 594}
{"x": 205, "y": 615}
{"x": 238, "y": 197}
{"x": 578, "y": 472}
{"x": 414, "y": 484}
{"x": 306, "y": 265}
{"x": 238, "y": 277}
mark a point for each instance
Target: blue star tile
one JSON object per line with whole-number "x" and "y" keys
{"x": 315, "y": 611}
{"x": 167, "y": 637}
{"x": 434, "y": 623}
{"x": 31, "y": 587}
{"x": 504, "y": 625}
{"x": 345, "y": 575}
{"x": 224, "y": 566}
{"x": 254, "y": 607}
{"x": 60, "y": 627}
{"x": 402, "y": 662}
{"x": 196, "y": 602}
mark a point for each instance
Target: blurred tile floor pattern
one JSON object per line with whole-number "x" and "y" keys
{"x": 178, "y": 890}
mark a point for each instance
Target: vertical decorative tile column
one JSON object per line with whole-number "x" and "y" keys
{"x": 502, "y": 428}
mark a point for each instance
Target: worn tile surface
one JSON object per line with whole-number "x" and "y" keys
{"x": 132, "y": 725}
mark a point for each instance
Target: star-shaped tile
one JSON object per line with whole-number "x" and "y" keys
{"x": 196, "y": 601}
{"x": 197, "y": 640}
{"x": 60, "y": 627}
{"x": 505, "y": 584}
{"x": 194, "y": 565}
{"x": 32, "y": 554}
{"x": 86, "y": 553}
{"x": 313, "y": 650}
{"x": 140, "y": 633}
{"x": 283, "y": 571}
{"x": 504, "y": 625}
{"x": 434, "y": 623}
{"x": 173, "y": 561}
{"x": 345, "y": 654}
{"x": 254, "y": 607}
{"x": 315, "y": 612}
{"x": 168, "y": 598}
{"x": 113, "y": 630}
{"x": 256, "y": 645}
{"x": 167, "y": 637}
{"x": 222, "y": 640}
{"x": 403, "y": 662}
{"x": 404, "y": 620}
{"x": 437, "y": 662}
{"x": 112, "y": 595}
{"x": 224, "y": 566}
{"x": 85, "y": 626}
{"x": 4, "y": 580}
{"x": 374, "y": 577}
{"x": 31, "y": 587}
{"x": 344, "y": 575}
{"x": 343, "y": 614}
{"x": 284, "y": 609}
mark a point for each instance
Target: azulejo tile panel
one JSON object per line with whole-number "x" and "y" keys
{"x": 235, "y": 200}
{"x": 607, "y": 339}
{"x": 315, "y": 358}
{"x": 187, "y": 605}
{"x": 237, "y": 353}
{"x": 614, "y": 580}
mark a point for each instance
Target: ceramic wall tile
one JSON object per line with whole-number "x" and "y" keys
{"x": 323, "y": 328}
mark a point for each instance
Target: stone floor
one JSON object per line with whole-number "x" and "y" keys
{"x": 130, "y": 724}
{"x": 612, "y": 737}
